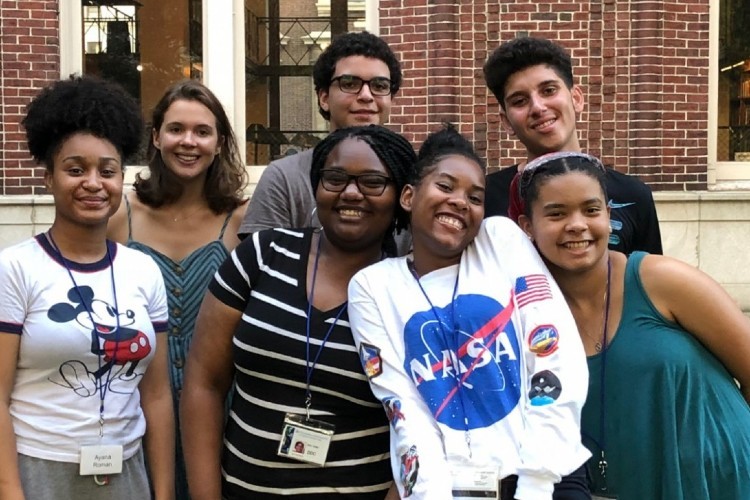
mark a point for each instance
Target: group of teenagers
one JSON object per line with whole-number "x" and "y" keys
{"x": 364, "y": 326}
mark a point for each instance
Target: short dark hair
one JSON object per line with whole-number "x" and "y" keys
{"x": 396, "y": 153}
{"x": 521, "y": 53}
{"x": 354, "y": 44}
{"x": 82, "y": 104}
{"x": 439, "y": 144}
{"x": 226, "y": 178}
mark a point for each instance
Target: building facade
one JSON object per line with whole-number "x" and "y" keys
{"x": 666, "y": 83}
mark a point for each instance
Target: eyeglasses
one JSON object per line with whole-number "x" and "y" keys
{"x": 350, "y": 84}
{"x": 368, "y": 184}
{"x": 535, "y": 166}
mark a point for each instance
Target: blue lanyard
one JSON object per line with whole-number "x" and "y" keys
{"x": 101, "y": 387}
{"x": 455, "y": 343}
{"x": 310, "y": 368}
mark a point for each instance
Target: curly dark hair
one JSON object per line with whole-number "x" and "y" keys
{"x": 226, "y": 178}
{"x": 82, "y": 104}
{"x": 521, "y": 53}
{"x": 396, "y": 153}
{"x": 439, "y": 144}
{"x": 354, "y": 44}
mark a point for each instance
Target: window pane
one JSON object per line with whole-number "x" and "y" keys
{"x": 282, "y": 42}
{"x": 734, "y": 82}
{"x": 145, "y": 45}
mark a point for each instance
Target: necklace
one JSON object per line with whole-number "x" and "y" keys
{"x": 189, "y": 215}
{"x": 600, "y": 341}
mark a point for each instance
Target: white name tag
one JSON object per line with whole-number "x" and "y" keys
{"x": 101, "y": 460}
{"x": 306, "y": 440}
{"x": 474, "y": 482}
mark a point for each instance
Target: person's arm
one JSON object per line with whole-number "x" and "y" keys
{"x": 415, "y": 437}
{"x": 156, "y": 401}
{"x": 10, "y": 481}
{"x": 647, "y": 235}
{"x": 208, "y": 377}
{"x": 270, "y": 204}
{"x": 556, "y": 373}
{"x": 700, "y": 305}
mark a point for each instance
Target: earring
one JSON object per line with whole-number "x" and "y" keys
{"x": 610, "y": 229}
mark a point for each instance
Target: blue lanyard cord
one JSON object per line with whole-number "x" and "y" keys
{"x": 456, "y": 343}
{"x": 101, "y": 387}
{"x": 310, "y": 368}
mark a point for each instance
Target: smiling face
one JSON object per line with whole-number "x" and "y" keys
{"x": 188, "y": 139}
{"x": 351, "y": 220}
{"x": 447, "y": 208}
{"x": 569, "y": 221}
{"x": 363, "y": 108}
{"x": 540, "y": 110}
{"x": 86, "y": 180}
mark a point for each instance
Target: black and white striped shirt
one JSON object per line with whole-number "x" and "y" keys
{"x": 265, "y": 278}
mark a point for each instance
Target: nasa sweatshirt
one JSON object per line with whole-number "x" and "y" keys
{"x": 479, "y": 366}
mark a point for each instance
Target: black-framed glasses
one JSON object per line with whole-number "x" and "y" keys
{"x": 368, "y": 184}
{"x": 536, "y": 165}
{"x": 350, "y": 84}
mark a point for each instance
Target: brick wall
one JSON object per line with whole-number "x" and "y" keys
{"x": 643, "y": 66}
{"x": 29, "y": 59}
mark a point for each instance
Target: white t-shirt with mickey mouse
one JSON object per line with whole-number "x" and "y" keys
{"x": 67, "y": 361}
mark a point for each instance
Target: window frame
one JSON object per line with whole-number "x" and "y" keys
{"x": 223, "y": 47}
{"x": 722, "y": 175}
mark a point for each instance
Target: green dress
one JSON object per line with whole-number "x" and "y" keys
{"x": 186, "y": 282}
{"x": 676, "y": 424}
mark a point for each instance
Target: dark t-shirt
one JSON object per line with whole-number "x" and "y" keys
{"x": 635, "y": 225}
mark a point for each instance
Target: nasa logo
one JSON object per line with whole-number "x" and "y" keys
{"x": 465, "y": 365}
{"x": 544, "y": 340}
{"x": 545, "y": 388}
{"x": 369, "y": 355}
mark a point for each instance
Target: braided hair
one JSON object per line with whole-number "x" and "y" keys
{"x": 83, "y": 104}
{"x": 444, "y": 142}
{"x": 396, "y": 153}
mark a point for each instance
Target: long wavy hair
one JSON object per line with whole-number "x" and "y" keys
{"x": 226, "y": 178}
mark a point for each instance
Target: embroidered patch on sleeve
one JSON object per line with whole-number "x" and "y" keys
{"x": 532, "y": 288}
{"x": 544, "y": 340}
{"x": 369, "y": 355}
{"x": 393, "y": 410}
{"x": 409, "y": 470}
{"x": 545, "y": 388}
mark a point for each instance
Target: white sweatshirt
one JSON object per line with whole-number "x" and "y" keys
{"x": 493, "y": 376}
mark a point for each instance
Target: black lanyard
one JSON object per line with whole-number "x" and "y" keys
{"x": 102, "y": 387}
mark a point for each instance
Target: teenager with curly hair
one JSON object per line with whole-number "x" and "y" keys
{"x": 84, "y": 385}
{"x": 274, "y": 326}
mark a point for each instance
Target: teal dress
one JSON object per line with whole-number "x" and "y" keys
{"x": 186, "y": 282}
{"x": 676, "y": 425}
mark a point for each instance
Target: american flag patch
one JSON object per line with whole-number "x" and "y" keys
{"x": 532, "y": 288}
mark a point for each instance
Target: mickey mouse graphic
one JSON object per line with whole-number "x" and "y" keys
{"x": 120, "y": 346}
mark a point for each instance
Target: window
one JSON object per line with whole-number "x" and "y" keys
{"x": 282, "y": 42}
{"x": 729, "y": 133}
{"x": 255, "y": 55}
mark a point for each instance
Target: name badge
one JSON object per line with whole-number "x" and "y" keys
{"x": 101, "y": 460}
{"x": 474, "y": 482}
{"x": 305, "y": 440}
